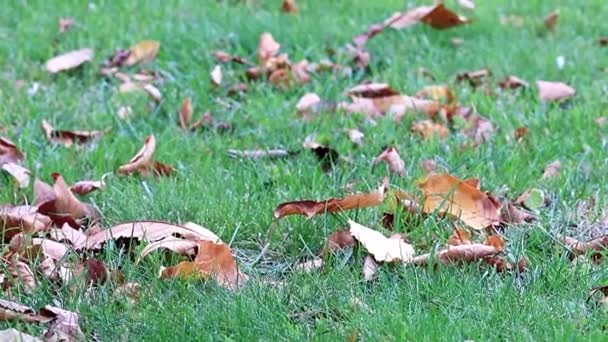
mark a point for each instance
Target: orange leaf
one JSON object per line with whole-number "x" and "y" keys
{"x": 144, "y": 51}
{"x": 442, "y": 18}
{"x": 447, "y": 194}
{"x": 185, "y": 114}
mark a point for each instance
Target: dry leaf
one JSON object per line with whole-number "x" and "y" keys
{"x": 440, "y": 93}
{"x": 475, "y": 78}
{"x": 216, "y": 75}
{"x": 391, "y": 157}
{"x": 177, "y": 245}
{"x": 467, "y": 4}
{"x": 267, "y": 48}
{"x": 512, "y": 214}
{"x": 512, "y": 82}
{"x": 69, "y": 138}
{"x": 355, "y": 136}
{"x": 459, "y": 237}
{"x": 377, "y": 99}
{"x": 308, "y": 103}
{"x": 406, "y": 19}
{"x": 442, "y": 18}
{"x": 143, "y": 163}
{"x": 144, "y": 51}
{"x": 65, "y": 325}
{"x": 429, "y": 129}
{"x": 259, "y": 154}
{"x": 66, "y": 233}
{"x": 338, "y": 240}
{"x": 87, "y": 186}
{"x": 369, "y": 268}
{"x": 455, "y": 254}
{"x": 150, "y": 231}
{"x": 69, "y": 60}
{"x": 382, "y": 248}
{"x": 554, "y": 91}
{"x": 289, "y": 6}
{"x": 65, "y": 24}
{"x": 447, "y": 194}
{"x": 310, "y": 208}
{"x": 14, "y": 335}
{"x": 224, "y": 57}
{"x": 19, "y": 173}
{"x": 25, "y": 218}
{"x": 61, "y": 204}
{"x": 185, "y": 114}
{"x": 153, "y": 92}
{"x": 551, "y": 20}
{"x": 552, "y": 170}
{"x": 10, "y": 310}
{"x": 309, "y": 266}
{"x": 9, "y": 153}
{"x": 22, "y": 275}
{"x": 597, "y": 246}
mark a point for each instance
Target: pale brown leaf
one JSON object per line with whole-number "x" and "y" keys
{"x": 177, "y": 245}
{"x": 466, "y": 4}
{"x": 429, "y": 129}
{"x": 554, "y": 91}
{"x": 19, "y": 173}
{"x": 10, "y": 310}
{"x": 216, "y": 75}
{"x": 65, "y": 325}
{"x": 22, "y": 275}
{"x": 9, "y": 153}
{"x": 391, "y": 157}
{"x": 459, "y": 237}
{"x": 68, "y": 61}
{"x": 14, "y": 335}
{"x": 143, "y": 163}
{"x": 25, "y": 218}
{"x": 144, "y": 52}
{"x": 87, "y": 186}
{"x": 382, "y": 248}
{"x": 457, "y": 254}
{"x": 185, "y": 114}
{"x": 267, "y": 48}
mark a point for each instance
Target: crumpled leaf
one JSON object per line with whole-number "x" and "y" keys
{"x": 9, "y": 153}
{"x": 327, "y": 156}
{"x": 391, "y": 157}
{"x": 59, "y": 203}
{"x": 554, "y": 91}
{"x": 429, "y": 129}
{"x": 65, "y": 325}
{"x": 70, "y": 60}
{"x": 19, "y": 173}
{"x": 267, "y": 48}
{"x": 150, "y": 231}
{"x": 14, "y": 335}
{"x": 382, "y": 248}
{"x": 10, "y": 310}
{"x": 213, "y": 260}
{"x": 143, "y": 163}
{"x": 447, "y": 194}
{"x": 69, "y": 138}
{"x": 142, "y": 52}
{"x": 456, "y": 254}
{"x": 512, "y": 214}
{"x": 552, "y": 170}
{"x": 311, "y": 208}
{"x": 87, "y": 186}
{"x": 289, "y": 6}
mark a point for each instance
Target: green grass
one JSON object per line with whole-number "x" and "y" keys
{"x": 236, "y": 199}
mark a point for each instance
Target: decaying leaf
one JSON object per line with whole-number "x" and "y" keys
{"x": 65, "y": 325}
{"x": 520, "y": 133}
{"x": 61, "y": 204}
{"x": 144, "y": 52}
{"x": 429, "y": 129}
{"x": 289, "y": 6}
{"x": 550, "y": 20}
{"x": 143, "y": 163}
{"x": 216, "y": 75}
{"x": 552, "y": 170}
{"x": 554, "y": 91}
{"x": 22, "y": 218}
{"x": 447, "y": 194}
{"x": 154, "y": 93}
{"x": 392, "y": 159}
{"x": 308, "y": 104}
{"x": 382, "y": 248}
{"x": 338, "y": 240}
{"x": 457, "y": 254}
{"x": 19, "y": 173}
{"x": 22, "y": 275}
{"x": 68, "y": 61}
{"x": 512, "y": 82}
{"x": 9, "y": 153}
{"x": 86, "y": 186}
{"x": 10, "y": 310}
{"x": 459, "y": 237}
{"x": 596, "y": 246}
{"x": 69, "y": 138}
{"x": 440, "y": 17}
{"x": 310, "y": 208}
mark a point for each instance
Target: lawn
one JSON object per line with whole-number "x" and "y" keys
{"x": 235, "y": 198}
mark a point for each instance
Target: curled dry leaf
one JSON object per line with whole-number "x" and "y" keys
{"x": 513, "y": 82}
{"x": 154, "y": 93}
{"x": 369, "y": 268}
{"x": 216, "y": 75}
{"x": 60, "y": 204}
{"x": 144, "y": 51}
{"x": 311, "y": 208}
{"x": 289, "y": 6}
{"x": 382, "y": 248}
{"x": 550, "y": 20}
{"x": 267, "y": 48}
{"x": 10, "y": 310}
{"x": 22, "y": 275}
{"x": 70, "y": 60}
{"x": 150, "y": 231}
{"x": 596, "y": 246}
{"x": 554, "y": 91}
{"x": 429, "y": 129}
{"x": 459, "y": 237}
{"x": 87, "y": 186}
{"x": 446, "y": 194}
{"x": 512, "y": 214}
{"x": 9, "y": 153}
{"x": 457, "y": 254}
{"x": 65, "y": 325}
{"x": 69, "y": 138}
{"x": 391, "y": 157}
{"x": 19, "y": 173}
{"x": 143, "y": 163}
{"x": 185, "y": 114}
{"x": 177, "y": 245}
{"x": 552, "y": 170}
{"x": 22, "y": 218}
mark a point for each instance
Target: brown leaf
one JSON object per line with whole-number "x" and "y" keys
{"x": 308, "y": 103}
{"x": 143, "y": 164}
{"x": 22, "y": 275}
{"x": 267, "y": 48}
{"x": 144, "y": 52}
{"x": 429, "y": 129}
{"x": 512, "y": 214}
{"x": 65, "y": 325}
{"x": 65, "y": 24}
{"x": 442, "y": 18}
{"x": 25, "y": 218}
{"x": 289, "y": 6}
{"x": 512, "y": 82}
{"x": 369, "y": 268}
{"x": 216, "y": 75}
{"x": 69, "y": 138}
{"x": 457, "y": 254}
{"x": 9, "y": 153}
{"x": 440, "y": 93}
{"x": 400, "y": 20}
{"x": 87, "y": 186}
{"x": 552, "y": 170}
{"x": 596, "y": 246}
{"x": 310, "y": 208}
{"x": 37, "y": 248}
{"x": 338, "y": 240}
{"x": 382, "y": 248}
{"x": 177, "y": 245}
{"x": 19, "y": 173}
{"x": 61, "y": 205}
{"x": 459, "y": 237}
{"x": 447, "y": 194}
{"x": 475, "y": 78}
{"x": 70, "y": 60}
{"x": 185, "y": 114}
{"x": 391, "y": 157}
{"x": 150, "y": 231}
{"x": 224, "y": 57}
{"x": 10, "y": 310}
{"x": 554, "y": 91}
{"x": 378, "y": 99}
{"x": 551, "y": 20}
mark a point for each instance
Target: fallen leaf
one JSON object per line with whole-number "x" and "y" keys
{"x": 309, "y": 266}
{"x": 327, "y": 156}
{"x": 457, "y": 254}
{"x": 512, "y": 214}
{"x": 153, "y": 92}
{"x": 554, "y": 91}
{"x": 532, "y": 199}
{"x": 65, "y": 24}
{"x": 475, "y": 78}
{"x": 177, "y": 245}
{"x": 459, "y": 237}
{"x": 70, "y": 60}
{"x": 467, "y": 4}
{"x": 259, "y": 154}
{"x": 9, "y": 153}
{"x": 224, "y": 57}
{"x": 308, "y": 103}
{"x": 267, "y": 48}
{"x": 446, "y": 194}
{"x": 19, "y": 173}
{"x": 382, "y": 248}
{"x": 429, "y": 129}
{"x": 143, "y": 163}
{"x": 552, "y": 170}
{"x": 400, "y": 20}
{"x": 10, "y": 310}
{"x": 369, "y": 268}
{"x": 310, "y": 208}
{"x": 185, "y": 114}
{"x": 520, "y": 133}
{"x": 75, "y": 237}
{"x": 142, "y": 52}
{"x": 513, "y": 82}
{"x": 355, "y": 136}
{"x": 338, "y": 240}
{"x": 216, "y": 76}
{"x": 440, "y": 17}
{"x": 149, "y": 231}
{"x": 378, "y": 99}
{"x": 61, "y": 204}
{"x": 551, "y": 20}
{"x": 65, "y": 325}
{"x": 22, "y": 275}
{"x": 391, "y": 157}
{"x": 289, "y": 6}
{"x": 69, "y": 138}
{"x": 440, "y": 93}
{"x": 87, "y": 186}
{"x": 25, "y": 218}
{"x": 596, "y": 246}
{"x": 14, "y": 335}
{"x": 495, "y": 241}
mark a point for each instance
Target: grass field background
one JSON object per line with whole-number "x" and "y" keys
{"x": 236, "y": 198}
